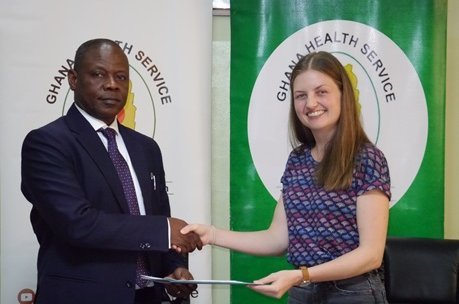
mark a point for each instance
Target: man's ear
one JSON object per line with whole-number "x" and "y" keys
{"x": 72, "y": 79}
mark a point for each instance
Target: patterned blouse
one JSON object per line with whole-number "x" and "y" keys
{"x": 322, "y": 225}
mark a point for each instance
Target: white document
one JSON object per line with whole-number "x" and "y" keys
{"x": 174, "y": 281}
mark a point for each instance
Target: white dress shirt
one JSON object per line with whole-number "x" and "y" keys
{"x": 97, "y": 125}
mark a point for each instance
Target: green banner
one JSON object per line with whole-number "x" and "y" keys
{"x": 397, "y": 53}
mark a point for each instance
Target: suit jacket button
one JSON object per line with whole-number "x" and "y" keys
{"x": 129, "y": 284}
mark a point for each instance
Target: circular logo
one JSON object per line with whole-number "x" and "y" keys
{"x": 26, "y": 296}
{"x": 389, "y": 92}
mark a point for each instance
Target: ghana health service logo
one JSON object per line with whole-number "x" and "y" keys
{"x": 390, "y": 95}
{"x": 146, "y": 81}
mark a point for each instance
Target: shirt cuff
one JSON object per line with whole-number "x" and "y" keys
{"x": 168, "y": 234}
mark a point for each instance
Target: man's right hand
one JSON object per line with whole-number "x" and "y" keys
{"x": 183, "y": 243}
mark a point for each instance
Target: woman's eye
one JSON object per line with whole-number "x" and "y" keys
{"x": 300, "y": 96}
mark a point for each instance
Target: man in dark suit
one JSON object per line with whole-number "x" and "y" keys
{"x": 90, "y": 240}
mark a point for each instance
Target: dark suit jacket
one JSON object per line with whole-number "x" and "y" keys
{"x": 88, "y": 241}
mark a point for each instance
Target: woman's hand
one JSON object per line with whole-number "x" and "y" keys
{"x": 207, "y": 233}
{"x": 278, "y": 283}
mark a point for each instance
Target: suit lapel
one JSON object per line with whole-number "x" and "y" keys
{"x": 90, "y": 141}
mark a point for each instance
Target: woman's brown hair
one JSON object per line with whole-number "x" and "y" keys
{"x": 334, "y": 172}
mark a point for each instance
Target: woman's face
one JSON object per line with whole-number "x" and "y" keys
{"x": 317, "y": 101}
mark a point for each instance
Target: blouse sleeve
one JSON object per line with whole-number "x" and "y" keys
{"x": 372, "y": 172}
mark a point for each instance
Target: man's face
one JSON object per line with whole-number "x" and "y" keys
{"x": 101, "y": 84}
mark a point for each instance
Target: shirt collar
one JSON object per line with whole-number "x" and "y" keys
{"x": 98, "y": 124}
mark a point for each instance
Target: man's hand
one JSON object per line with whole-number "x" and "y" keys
{"x": 180, "y": 242}
{"x": 181, "y": 290}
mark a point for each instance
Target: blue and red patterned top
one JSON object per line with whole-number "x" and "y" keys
{"x": 322, "y": 225}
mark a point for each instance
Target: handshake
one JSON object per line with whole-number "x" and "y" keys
{"x": 183, "y": 243}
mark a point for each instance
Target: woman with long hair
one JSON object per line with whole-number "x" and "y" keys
{"x": 332, "y": 216}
